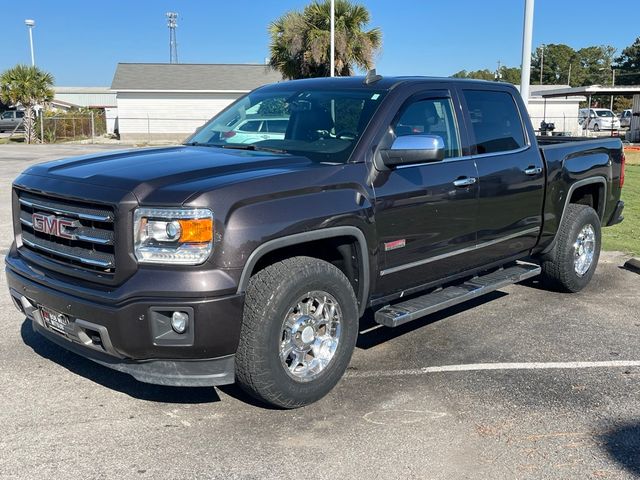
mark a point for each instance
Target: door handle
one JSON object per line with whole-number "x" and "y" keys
{"x": 533, "y": 170}
{"x": 465, "y": 182}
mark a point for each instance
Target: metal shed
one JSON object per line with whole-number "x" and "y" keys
{"x": 590, "y": 91}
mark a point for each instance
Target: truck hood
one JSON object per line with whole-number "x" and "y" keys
{"x": 171, "y": 174}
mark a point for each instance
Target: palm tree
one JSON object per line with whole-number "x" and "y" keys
{"x": 300, "y": 41}
{"x": 26, "y": 86}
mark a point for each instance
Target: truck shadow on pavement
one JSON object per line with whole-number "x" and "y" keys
{"x": 623, "y": 445}
{"x": 112, "y": 379}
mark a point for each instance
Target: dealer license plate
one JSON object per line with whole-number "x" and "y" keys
{"x": 54, "y": 320}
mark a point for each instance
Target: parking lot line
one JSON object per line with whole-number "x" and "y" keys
{"x": 495, "y": 366}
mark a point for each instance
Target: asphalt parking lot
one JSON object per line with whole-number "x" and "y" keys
{"x": 534, "y": 385}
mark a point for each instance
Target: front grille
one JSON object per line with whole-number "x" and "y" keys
{"x": 92, "y": 246}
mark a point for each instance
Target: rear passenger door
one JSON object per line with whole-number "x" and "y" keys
{"x": 511, "y": 174}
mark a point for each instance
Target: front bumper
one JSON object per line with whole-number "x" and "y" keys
{"x": 127, "y": 334}
{"x": 175, "y": 373}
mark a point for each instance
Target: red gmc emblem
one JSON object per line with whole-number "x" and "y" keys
{"x": 52, "y": 225}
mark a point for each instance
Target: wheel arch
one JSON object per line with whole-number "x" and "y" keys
{"x": 574, "y": 192}
{"x": 580, "y": 191}
{"x": 308, "y": 238}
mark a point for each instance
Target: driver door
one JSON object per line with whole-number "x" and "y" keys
{"x": 426, "y": 213}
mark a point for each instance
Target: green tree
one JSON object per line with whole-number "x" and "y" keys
{"x": 559, "y": 61}
{"x": 629, "y": 65}
{"x": 485, "y": 74}
{"x": 563, "y": 65}
{"x": 28, "y": 87}
{"x": 300, "y": 41}
{"x": 595, "y": 65}
{"x": 511, "y": 75}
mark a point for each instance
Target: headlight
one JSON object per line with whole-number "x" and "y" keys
{"x": 173, "y": 235}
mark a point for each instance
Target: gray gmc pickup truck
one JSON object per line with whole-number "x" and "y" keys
{"x": 218, "y": 261}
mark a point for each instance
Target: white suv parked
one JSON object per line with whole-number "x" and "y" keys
{"x": 599, "y": 119}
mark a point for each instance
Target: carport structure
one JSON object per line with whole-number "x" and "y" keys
{"x": 590, "y": 91}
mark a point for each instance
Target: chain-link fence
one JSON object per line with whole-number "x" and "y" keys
{"x": 71, "y": 126}
{"x": 152, "y": 129}
{"x": 574, "y": 126}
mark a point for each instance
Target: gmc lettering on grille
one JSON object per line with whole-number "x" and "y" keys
{"x": 52, "y": 225}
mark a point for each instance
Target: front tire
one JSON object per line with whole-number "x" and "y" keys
{"x": 571, "y": 264}
{"x": 596, "y": 127}
{"x": 299, "y": 329}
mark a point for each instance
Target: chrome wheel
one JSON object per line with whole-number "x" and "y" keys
{"x": 310, "y": 335}
{"x": 584, "y": 250}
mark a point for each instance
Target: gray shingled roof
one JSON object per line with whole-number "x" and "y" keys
{"x": 185, "y": 76}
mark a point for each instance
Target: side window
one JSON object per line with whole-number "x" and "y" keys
{"x": 250, "y": 126}
{"x": 7, "y": 115}
{"x": 277, "y": 126}
{"x": 495, "y": 121}
{"x": 432, "y": 116}
{"x": 19, "y": 114}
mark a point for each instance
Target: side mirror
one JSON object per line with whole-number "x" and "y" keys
{"x": 409, "y": 149}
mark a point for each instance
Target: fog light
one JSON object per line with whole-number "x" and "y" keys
{"x": 179, "y": 322}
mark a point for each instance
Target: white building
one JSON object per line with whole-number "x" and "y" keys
{"x": 161, "y": 101}
{"x": 561, "y": 111}
{"x": 85, "y": 97}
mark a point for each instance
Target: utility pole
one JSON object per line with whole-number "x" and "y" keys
{"x": 172, "y": 23}
{"x": 613, "y": 84}
{"x": 541, "y": 62}
{"x": 333, "y": 37}
{"x": 526, "y": 50}
{"x": 30, "y": 24}
{"x": 498, "y": 74}
{"x": 569, "y": 77}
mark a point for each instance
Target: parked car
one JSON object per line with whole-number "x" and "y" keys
{"x": 254, "y": 129}
{"x": 625, "y": 118}
{"x": 599, "y": 119}
{"x": 10, "y": 119}
{"x": 214, "y": 262}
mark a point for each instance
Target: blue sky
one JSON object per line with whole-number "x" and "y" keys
{"x": 81, "y": 42}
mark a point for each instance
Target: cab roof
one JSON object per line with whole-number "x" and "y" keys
{"x": 384, "y": 83}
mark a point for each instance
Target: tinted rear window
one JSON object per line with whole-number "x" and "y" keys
{"x": 495, "y": 121}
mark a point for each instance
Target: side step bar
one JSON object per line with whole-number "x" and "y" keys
{"x": 400, "y": 313}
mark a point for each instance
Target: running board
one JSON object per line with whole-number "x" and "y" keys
{"x": 400, "y": 313}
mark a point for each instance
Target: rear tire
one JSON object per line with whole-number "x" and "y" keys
{"x": 596, "y": 127}
{"x": 571, "y": 264}
{"x": 299, "y": 329}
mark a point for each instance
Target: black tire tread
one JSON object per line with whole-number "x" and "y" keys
{"x": 555, "y": 271}
{"x": 262, "y": 288}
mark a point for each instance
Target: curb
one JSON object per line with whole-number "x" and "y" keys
{"x": 633, "y": 265}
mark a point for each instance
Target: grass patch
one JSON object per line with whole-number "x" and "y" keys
{"x": 632, "y": 156}
{"x": 625, "y": 236}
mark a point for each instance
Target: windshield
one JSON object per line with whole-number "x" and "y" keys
{"x": 324, "y": 125}
{"x": 604, "y": 113}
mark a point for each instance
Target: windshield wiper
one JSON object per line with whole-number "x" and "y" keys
{"x": 251, "y": 147}
{"x": 199, "y": 144}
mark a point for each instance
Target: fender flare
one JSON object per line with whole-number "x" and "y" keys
{"x": 303, "y": 237}
{"x": 572, "y": 188}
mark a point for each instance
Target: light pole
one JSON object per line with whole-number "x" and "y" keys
{"x": 30, "y": 24}
{"x": 526, "y": 50}
{"x": 332, "y": 55}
